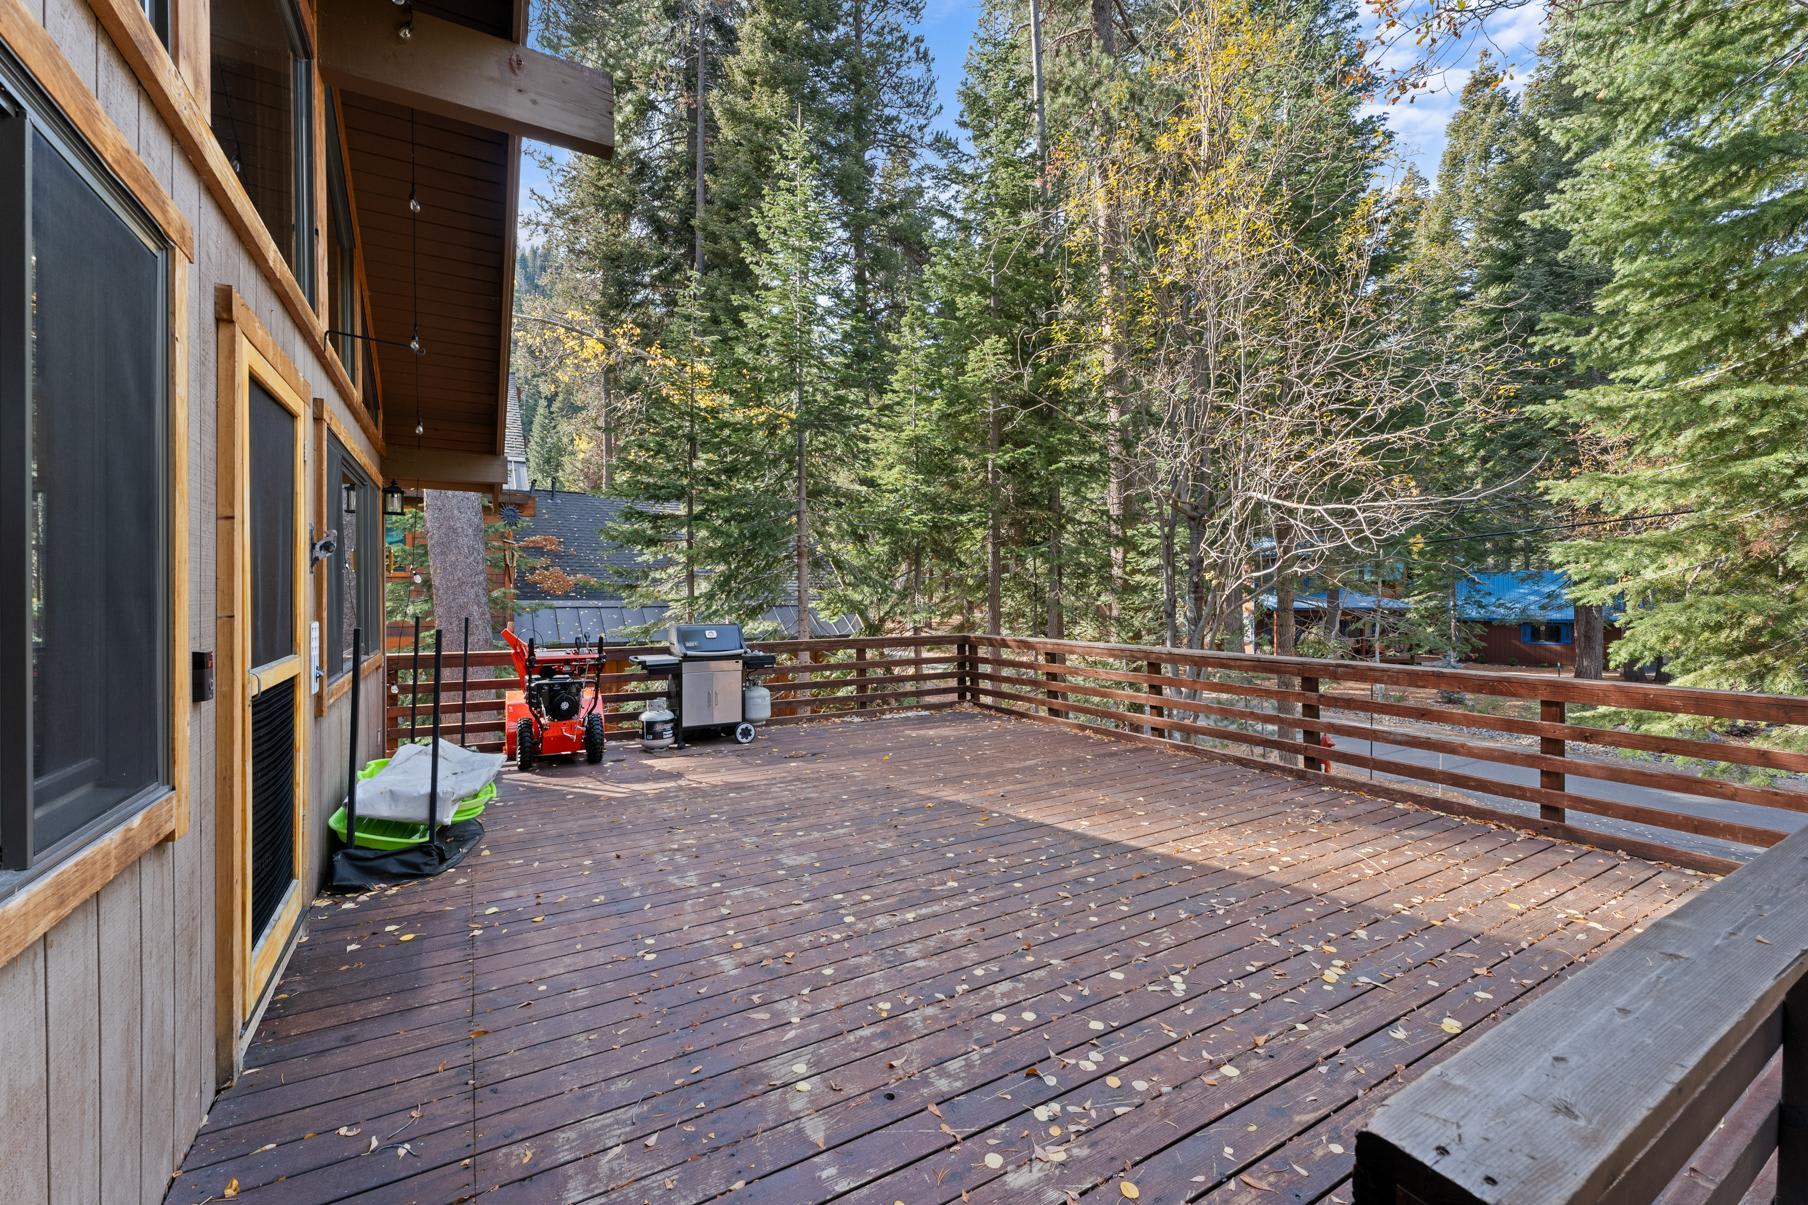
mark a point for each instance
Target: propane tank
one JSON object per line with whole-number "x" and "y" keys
{"x": 656, "y": 727}
{"x": 756, "y": 704}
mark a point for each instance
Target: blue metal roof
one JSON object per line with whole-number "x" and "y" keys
{"x": 1540, "y": 595}
{"x": 1353, "y": 600}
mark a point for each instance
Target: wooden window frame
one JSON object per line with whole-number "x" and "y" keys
{"x": 300, "y": 247}
{"x": 33, "y": 902}
{"x": 245, "y": 967}
{"x": 176, "y": 81}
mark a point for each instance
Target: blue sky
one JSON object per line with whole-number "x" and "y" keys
{"x": 947, "y": 28}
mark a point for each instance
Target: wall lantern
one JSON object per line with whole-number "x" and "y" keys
{"x": 392, "y": 498}
{"x": 350, "y": 505}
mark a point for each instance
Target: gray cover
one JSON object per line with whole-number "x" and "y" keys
{"x": 399, "y": 790}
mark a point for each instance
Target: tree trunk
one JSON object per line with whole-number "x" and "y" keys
{"x": 1283, "y": 647}
{"x": 608, "y": 435}
{"x": 1333, "y": 621}
{"x": 455, "y": 560}
{"x": 1111, "y": 360}
{"x": 994, "y": 523}
{"x": 1057, "y": 614}
{"x": 1285, "y": 638}
{"x": 802, "y": 626}
{"x": 1591, "y": 642}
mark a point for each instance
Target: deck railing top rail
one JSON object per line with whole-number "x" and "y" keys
{"x": 1686, "y": 1045}
{"x": 1682, "y": 700}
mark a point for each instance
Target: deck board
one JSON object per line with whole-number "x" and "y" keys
{"x": 964, "y": 936}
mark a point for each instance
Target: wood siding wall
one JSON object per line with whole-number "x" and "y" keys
{"x": 106, "y": 1022}
{"x": 1501, "y": 645}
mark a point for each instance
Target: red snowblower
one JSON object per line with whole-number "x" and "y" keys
{"x": 549, "y": 717}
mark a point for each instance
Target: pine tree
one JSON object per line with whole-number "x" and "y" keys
{"x": 1488, "y": 272}
{"x": 668, "y": 471}
{"x": 797, "y": 428}
{"x": 549, "y": 448}
{"x": 1690, "y": 137}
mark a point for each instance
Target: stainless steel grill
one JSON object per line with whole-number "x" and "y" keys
{"x": 707, "y": 667}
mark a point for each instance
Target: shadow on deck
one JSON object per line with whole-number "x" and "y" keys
{"x": 899, "y": 960}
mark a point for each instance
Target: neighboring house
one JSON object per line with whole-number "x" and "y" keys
{"x": 1522, "y": 617}
{"x": 1356, "y": 611}
{"x": 243, "y": 213}
{"x": 602, "y": 571}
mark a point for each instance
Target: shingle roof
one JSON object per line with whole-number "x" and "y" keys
{"x": 604, "y": 568}
{"x": 514, "y": 444}
{"x": 580, "y": 523}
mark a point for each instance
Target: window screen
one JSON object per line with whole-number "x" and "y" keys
{"x": 272, "y": 466}
{"x": 90, "y": 524}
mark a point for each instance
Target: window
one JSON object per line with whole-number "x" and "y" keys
{"x": 355, "y": 575}
{"x": 344, "y": 318}
{"x": 158, "y": 13}
{"x": 1546, "y": 633}
{"x": 263, "y": 116}
{"x": 84, "y": 484}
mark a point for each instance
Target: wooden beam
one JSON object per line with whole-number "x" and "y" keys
{"x": 434, "y": 468}
{"x": 459, "y": 72}
{"x": 512, "y": 216}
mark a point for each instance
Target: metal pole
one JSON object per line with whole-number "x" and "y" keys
{"x": 351, "y": 756}
{"x": 464, "y": 687}
{"x": 414, "y": 683}
{"x": 433, "y": 756}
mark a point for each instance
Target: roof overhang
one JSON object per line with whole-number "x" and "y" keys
{"x": 446, "y": 109}
{"x": 450, "y": 69}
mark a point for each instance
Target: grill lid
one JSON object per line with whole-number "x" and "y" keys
{"x": 707, "y": 640}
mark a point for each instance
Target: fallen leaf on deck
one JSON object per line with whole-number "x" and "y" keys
{"x": 232, "y": 1188}
{"x": 1130, "y": 1191}
{"x": 349, "y": 1131}
{"x": 1451, "y": 1025}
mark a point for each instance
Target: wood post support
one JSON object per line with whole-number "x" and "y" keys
{"x": 1051, "y": 676}
{"x": 1552, "y": 711}
{"x": 1792, "y": 1120}
{"x": 860, "y": 684}
{"x": 1309, "y": 711}
{"x": 1156, "y": 710}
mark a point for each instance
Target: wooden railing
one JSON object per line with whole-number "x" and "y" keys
{"x": 1529, "y": 750}
{"x": 813, "y": 679}
{"x": 1674, "y": 1069}
{"x": 1443, "y": 737}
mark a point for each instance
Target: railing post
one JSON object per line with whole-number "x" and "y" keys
{"x": 1311, "y": 736}
{"x": 1792, "y": 1121}
{"x": 963, "y": 670}
{"x": 1053, "y": 696}
{"x": 1552, "y": 711}
{"x": 1156, "y": 710}
{"x": 859, "y": 683}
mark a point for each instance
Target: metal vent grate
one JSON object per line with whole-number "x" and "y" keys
{"x": 272, "y": 801}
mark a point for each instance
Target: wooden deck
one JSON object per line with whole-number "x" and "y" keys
{"x": 904, "y": 959}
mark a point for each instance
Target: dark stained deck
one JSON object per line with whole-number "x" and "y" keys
{"x": 900, "y": 960}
